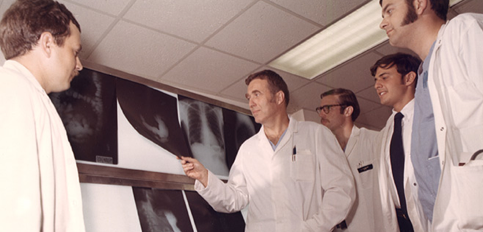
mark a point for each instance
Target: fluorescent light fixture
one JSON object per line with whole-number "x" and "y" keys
{"x": 341, "y": 41}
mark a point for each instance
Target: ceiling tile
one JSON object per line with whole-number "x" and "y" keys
{"x": 139, "y": 51}
{"x": 112, "y": 7}
{"x": 209, "y": 70}
{"x": 193, "y": 20}
{"x": 236, "y": 91}
{"x": 93, "y": 26}
{"x": 367, "y": 106}
{"x": 322, "y": 12}
{"x": 293, "y": 81}
{"x": 5, "y": 4}
{"x": 224, "y": 99}
{"x": 369, "y": 94}
{"x": 386, "y": 49}
{"x": 475, "y": 6}
{"x": 353, "y": 75}
{"x": 307, "y": 97}
{"x": 262, "y": 33}
{"x": 376, "y": 118}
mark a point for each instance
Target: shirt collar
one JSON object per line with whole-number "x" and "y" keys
{"x": 407, "y": 110}
{"x": 22, "y": 70}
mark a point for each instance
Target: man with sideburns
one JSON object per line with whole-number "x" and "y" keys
{"x": 448, "y": 116}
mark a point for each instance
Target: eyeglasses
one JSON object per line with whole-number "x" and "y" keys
{"x": 326, "y": 108}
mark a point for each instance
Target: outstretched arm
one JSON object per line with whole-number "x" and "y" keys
{"x": 194, "y": 169}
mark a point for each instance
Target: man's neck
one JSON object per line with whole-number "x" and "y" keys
{"x": 35, "y": 65}
{"x": 343, "y": 134}
{"x": 275, "y": 129}
{"x": 427, "y": 34}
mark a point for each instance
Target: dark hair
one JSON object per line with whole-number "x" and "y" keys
{"x": 405, "y": 64}
{"x": 275, "y": 82}
{"x": 440, "y": 7}
{"x": 346, "y": 98}
{"x": 25, "y": 20}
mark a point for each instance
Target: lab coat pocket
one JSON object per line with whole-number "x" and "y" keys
{"x": 303, "y": 166}
{"x": 367, "y": 174}
{"x": 467, "y": 188}
{"x": 471, "y": 141}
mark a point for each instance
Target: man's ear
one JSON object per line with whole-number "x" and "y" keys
{"x": 46, "y": 43}
{"x": 410, "y": 79}
{"x": 420, "y": 6}
{"x": 279, "y": 97}
{"x": 348, "y": 111}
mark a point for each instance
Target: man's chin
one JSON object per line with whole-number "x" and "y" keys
{"x": 61, "y": 89}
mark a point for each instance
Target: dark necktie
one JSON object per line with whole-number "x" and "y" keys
{"x": 397, "y": 164}
{"x": 397, "y": 159}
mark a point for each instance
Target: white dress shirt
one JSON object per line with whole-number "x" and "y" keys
{"x": 387, "y": 185}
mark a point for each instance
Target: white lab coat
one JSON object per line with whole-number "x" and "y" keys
{"x": 455, "y": 84}
{"x": 362, "y": 152}
{"x": 39, "y": 182}
{"x": 312, "y": 191}
{"x": 386, "y": 181}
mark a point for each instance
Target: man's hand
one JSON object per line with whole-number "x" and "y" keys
{"x": 194, "y": 169}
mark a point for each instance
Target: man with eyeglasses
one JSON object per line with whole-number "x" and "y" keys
{"x": 395, "y": 82}
{"x": 338, "y": 110}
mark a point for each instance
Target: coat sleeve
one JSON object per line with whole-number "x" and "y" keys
{"x": 471, "y": 51}
{"x": 226, "y": 197}
{"x": 336, "y": 181}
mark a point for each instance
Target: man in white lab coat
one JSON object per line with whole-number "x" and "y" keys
{"x": 40, "y": 40}
{"x": 448, "y": 117}
{"x": 395, "y": 83}
{"x": 338, "y": 110}
{"x": 292, "y": 175}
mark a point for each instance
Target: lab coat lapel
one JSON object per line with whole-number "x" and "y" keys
{"x": 352, "y": 141}
{"x": 287, "y": 138}
{"x": 264, "y": 144}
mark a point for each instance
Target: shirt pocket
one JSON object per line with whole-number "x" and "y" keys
{"x": 302, "y": 166}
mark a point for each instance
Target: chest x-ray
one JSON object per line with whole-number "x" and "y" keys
{"x": 214, "y": 134}
{"x": 203, "y": 126}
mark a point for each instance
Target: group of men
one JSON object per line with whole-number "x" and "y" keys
{"x": 419, "y": 173}
{"x": 422, "y": 172}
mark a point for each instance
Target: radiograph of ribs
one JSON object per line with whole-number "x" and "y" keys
{"x": 238, "y": 127}
{"x": 88, "y": 111}
{"x": 203, "y": 125}
{"x": 194, "y": 123}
